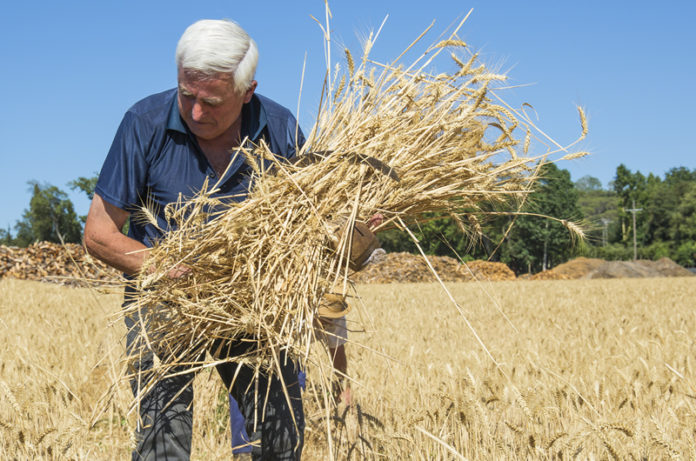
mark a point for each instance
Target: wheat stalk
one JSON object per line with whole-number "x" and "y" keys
{"x": 395, "y": 140}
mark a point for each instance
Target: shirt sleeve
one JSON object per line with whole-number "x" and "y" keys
{"x": 122, "y": 179}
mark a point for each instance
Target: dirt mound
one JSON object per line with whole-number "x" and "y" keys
{"x": 67, "y": 264}
{"x": 669, "y": 268}
{"x": 578, "y": 267}
{"x": 664, "y": 267}
{"x": 589, "y": 268}
{"x": 407, "y": 267}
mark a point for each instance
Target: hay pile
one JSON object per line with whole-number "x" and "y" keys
{"x": 389, "y": 138}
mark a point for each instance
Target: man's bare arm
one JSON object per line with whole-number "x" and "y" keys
{"x": 104, "y": 240}
{"x": 341, "y": 390}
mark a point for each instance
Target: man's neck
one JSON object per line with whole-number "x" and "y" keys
{"x": 228, "y": 140}
{"x": 219, "y": 150}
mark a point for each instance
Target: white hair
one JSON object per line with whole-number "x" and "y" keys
{"x": 213, "y": 46}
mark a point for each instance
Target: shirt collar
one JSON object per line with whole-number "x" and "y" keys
{"x": 174, "y": 122}
{"x": 253, "y": 118}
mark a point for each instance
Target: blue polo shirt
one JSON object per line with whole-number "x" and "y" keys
{"x": 155, "y": 158}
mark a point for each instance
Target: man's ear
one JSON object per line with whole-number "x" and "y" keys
{"x": 250, "y": 92}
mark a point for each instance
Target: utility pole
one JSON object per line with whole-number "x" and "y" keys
{"x": 633, "y": 211}
{"x": 544, "y": 263}
{"x": 605, "y": 230}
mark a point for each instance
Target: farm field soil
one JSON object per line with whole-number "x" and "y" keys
{"x": 594, "y": 369}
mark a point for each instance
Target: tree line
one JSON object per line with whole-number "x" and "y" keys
{"x": 540, "y": 234}
{"x": 534, "y": 237}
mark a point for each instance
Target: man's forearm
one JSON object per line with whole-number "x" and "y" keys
{"x": 118, "y": 251}
{"x": 341, "y": 386}
{"x": 338, "y": 355}
{"x": 104, "y": 240}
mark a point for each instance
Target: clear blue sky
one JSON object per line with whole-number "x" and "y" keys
{"x": 71, "y": 69}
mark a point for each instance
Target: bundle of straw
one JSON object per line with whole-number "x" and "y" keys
{"x": 388, "y": 139}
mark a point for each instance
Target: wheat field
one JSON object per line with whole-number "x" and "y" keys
{"x": 599, "y": 369}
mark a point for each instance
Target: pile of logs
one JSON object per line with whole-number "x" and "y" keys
{"x": 489, "y": 270}
{"x": 67, "y": 264}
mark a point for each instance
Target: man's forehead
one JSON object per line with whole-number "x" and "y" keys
{"x": 194, "y": 77}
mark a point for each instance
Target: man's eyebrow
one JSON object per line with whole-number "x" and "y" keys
{"x": 212, "y": 100}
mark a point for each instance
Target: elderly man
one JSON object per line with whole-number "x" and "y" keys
{"x": 170, "y": 144}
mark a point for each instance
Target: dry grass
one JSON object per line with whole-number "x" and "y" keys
{"x": 600, "y": 366}
{"x": 57, "y": 352}
{"x": 389, "y": 138}
{"x": 604, "y": 369}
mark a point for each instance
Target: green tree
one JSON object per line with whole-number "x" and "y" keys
{"x": 588, "y": 183}
{"x": 50, "y": 217}
{"x": 538, "y": 243}
{"x": 84, "y": 184}
{"x": 598, "y": 206}
{"x": 682, "y": 227}
{"x": 630, "y": 188}
{"x": 437, "y": 234}
{"x": 6, "y": 237}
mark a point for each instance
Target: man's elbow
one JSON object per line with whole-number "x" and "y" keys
{"x": 98, "y": 225}
{"x": 88, "y": 241}
{"x": 91, "y": 238}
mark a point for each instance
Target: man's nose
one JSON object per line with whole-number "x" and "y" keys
{"x": 197, "y": 111}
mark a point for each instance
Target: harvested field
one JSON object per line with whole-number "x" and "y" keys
{"x": 589, "y": 369}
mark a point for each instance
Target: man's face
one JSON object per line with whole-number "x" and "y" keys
{"x": 209, "y": 105}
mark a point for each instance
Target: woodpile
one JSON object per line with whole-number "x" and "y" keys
{"x": 70, "y": 265}
{"x": 67, "y": 264}
{"x": 489, "y": 270}
{"x": 410, "y": 268}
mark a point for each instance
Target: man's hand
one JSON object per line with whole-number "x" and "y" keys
{"x": 343, "y": 394}
{"x": 341, "y": 387}
{"x": 375, "y": 221}
{"x": 177, "y": 271}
